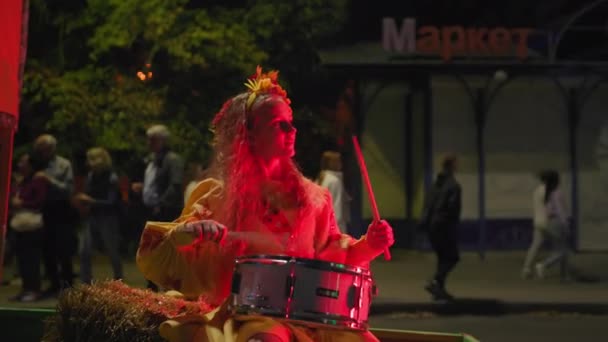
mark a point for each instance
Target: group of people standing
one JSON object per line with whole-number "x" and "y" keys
{"x": 42, "y": 221}
{"x": 44, "y": 190}
{"x": 45, "y": 210}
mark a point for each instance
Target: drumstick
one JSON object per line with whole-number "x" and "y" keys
{"x": 368, "y": 186}
{"x": 260, "y": 239}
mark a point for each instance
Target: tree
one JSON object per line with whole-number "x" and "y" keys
{"x": 100, "y": 71}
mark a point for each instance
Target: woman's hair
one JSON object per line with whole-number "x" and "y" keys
{"x": 551, "y": 180}
{"x": 158, "y": 131}
{"x": 46, "y": 140}
{"x": 102, "y": 155}
{"x": 235, "y": 163}
{"x": 35, "y": 163}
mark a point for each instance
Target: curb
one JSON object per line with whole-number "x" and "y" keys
{"x": 486, "y": 307}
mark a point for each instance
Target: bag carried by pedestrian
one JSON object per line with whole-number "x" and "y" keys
{"x": 26, "y": 220}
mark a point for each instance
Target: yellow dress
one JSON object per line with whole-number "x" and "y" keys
{"x": 203, "y": 270}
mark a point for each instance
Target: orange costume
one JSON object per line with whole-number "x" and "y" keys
{"x": 201, "y": 268}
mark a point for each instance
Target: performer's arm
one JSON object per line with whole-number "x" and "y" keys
{"x": 177, "y": 260}
{"x": 333, "y": 246}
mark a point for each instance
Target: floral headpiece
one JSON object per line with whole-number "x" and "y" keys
{"x": 257, "y": 84}
{"x": 264, "y": 83}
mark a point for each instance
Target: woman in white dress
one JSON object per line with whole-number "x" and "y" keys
{"x": 331, "y": 178}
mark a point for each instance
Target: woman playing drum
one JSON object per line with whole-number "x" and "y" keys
{"x": 257, "y": 202}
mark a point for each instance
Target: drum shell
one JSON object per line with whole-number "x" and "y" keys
{"x": 310, "y": 292}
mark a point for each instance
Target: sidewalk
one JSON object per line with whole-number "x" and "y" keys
{"x": 490, "y": 286}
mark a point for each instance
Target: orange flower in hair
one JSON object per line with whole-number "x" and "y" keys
{"x": 264, "y": 83}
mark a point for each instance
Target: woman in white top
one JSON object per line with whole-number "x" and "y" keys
{"x": 195, "y": 175}
{"x": 331, "y": 178}
{"x": 539, "y": 223}
{"x": 558, "y": 227}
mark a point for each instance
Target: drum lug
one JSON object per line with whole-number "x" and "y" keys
{"x": 352, "y": 297}
{"x": 236, "y": 283}
{"x": 289, "y": 282}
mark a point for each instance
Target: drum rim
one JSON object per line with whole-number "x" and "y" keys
{"x": 318, "y": 264}
{"x": 318, "y": 319}
{"x": 323, "y": 318}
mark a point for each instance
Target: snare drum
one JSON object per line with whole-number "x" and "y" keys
{"x": 311, "y": 292}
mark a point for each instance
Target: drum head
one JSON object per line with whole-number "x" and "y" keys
{"x": 312, "y": 263}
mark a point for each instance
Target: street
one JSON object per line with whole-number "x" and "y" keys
{"x": 532, "y": 327}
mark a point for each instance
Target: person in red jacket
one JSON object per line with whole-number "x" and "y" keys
{"x": 26, "y": 222}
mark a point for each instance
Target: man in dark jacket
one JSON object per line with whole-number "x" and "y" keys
{"x": 440, "y": 219}
{"x": 162, "y": 187}
{"x": 161, "y": 190}
{"x": 60, "y": 240}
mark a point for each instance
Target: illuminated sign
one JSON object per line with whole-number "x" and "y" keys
{"x": 450, "y": 41}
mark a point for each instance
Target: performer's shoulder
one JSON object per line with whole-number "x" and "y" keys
{"x": 311, "y": 185}
{"x": 204, "y": 188}
{"x": 318, "y": 194}
{"x": 211, "y": 185}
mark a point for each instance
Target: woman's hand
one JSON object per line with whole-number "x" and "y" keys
{"x": 137, "y": 187}
{"x": 208, "y": 230}
{"x": 42, "y": 175}
{"x": 380, "y": 235}
{"x": 84, "y": 198}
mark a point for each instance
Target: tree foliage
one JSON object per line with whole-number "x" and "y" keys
{"x": 100, "y": 71}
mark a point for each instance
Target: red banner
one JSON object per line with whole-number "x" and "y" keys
{"x": 11, "y": 51}
{"x": 13, "y": 29}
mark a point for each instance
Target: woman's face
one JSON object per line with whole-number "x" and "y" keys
{"x": 95, "y": 162}
{"x": 24, "y": 166}
{"x": 335, "y": 164}
{"x": 273, "y": 134}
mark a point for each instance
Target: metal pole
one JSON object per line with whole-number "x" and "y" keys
{"x": 428, "y": 136}
{"x": 410, "y": 98}
{"x": 409, "y": 169}
{"x": 480, "y": 115}
{"x": 573, "y": 121}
